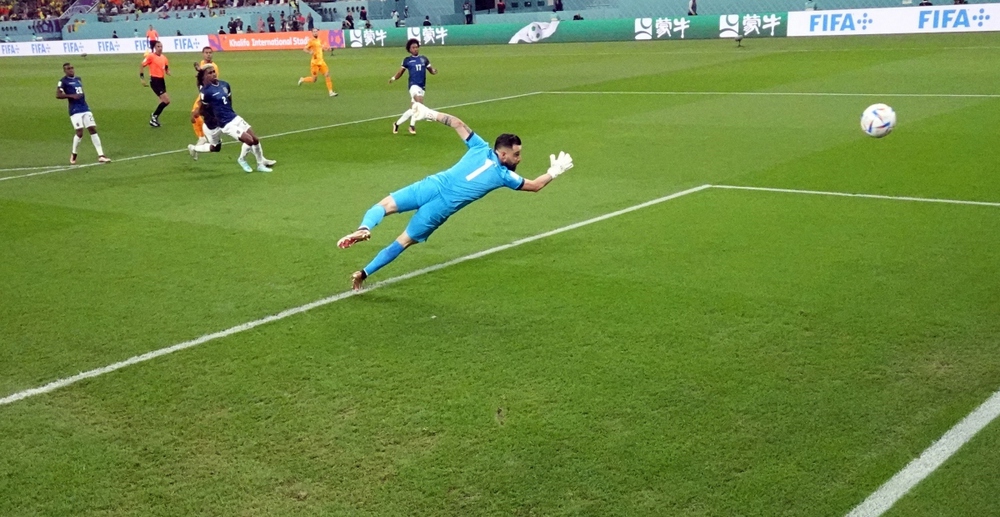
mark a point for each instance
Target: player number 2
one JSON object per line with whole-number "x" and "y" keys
{"x": 472, "y": 175}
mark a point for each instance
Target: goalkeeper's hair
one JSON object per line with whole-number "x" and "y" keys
{"x": 507, "y": 140}
{"x": 410, "y": 42}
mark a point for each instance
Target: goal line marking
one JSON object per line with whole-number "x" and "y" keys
{"x": 61, "y": 383}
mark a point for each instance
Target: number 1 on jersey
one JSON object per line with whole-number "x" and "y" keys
{"x": 472, "y": 175}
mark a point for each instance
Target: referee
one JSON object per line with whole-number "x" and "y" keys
{"x": 158, "y": 68}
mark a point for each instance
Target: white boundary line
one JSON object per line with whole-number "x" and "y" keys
{"x": 60, "y": 168}
{"x": 869, "y": 196}
{"x": 61, "y": 383}
{"x": 882, "y": 499}
{"x": 793, "y": 94}
{"x": 57, "y": 168}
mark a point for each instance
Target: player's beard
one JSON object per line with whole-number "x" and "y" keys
{"x": 511, "y": 166}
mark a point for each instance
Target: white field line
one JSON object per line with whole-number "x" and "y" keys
{"x": 58, "y": 168}
{"x": 54, "y": 385}
{"x": 869, "y": 196}
{"x": 882, "y": 499}
{"x": 794, "y": 94}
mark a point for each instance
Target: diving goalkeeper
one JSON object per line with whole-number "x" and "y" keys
{"x": 437, "y": 197}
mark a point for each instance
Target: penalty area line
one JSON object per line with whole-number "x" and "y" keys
{"x": 60, "y": 168}
{"x": 868, "y": 196}
{"x": 61, "y": 383}
{"x": 790, "y": 94}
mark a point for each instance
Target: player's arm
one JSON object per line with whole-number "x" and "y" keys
{"x": 196, "y": 111}
{"x": 431, "y": 69}
{"x": 166, "y": 69}
{"x": 142, "y": 68}
{"x": 557, "y": 166}
{"x": 60, "y": 94}
{"x": 398, "y": 74}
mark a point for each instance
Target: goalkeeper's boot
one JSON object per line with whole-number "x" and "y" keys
{"x": 357, "y": 279}
{"x": 359, "y": 235}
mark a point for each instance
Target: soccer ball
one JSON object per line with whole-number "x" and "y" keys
{"x": 878, "y": 120}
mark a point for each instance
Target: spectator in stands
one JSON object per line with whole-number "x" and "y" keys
{"x": 222, "y": 30}
{"x": 350, "y": 20}
{"x": 467, "y": 11}
{"x": 114, "y": 34}
{"x": 427, "y": 21}
{"x": 811, "y": 5}
{"x": 283, "y": 22}
{"x": 309, "y": 22}
{"x": 260, "y": 24}
{"x": 6, "y": 38}
{"x": 693, "y": 8}
{"x": 270, "y": 22}
{"x": 363, "y": 14}
{"x": 501, "y": 6}
{"x": 577, "y": 17}
{"x": 557, "y": 6}
{"x": 179, "y": 33}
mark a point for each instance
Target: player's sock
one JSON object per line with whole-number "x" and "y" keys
{"x": 413, "y": 119}
{"x": 159, "y": 109}
{"x": 201, "y": 140}
{"x": 76, "y": 143}
{"x": 96, "y": 140}
{"x": 407, "y": 114}
{"x": 372, "y": 217}
{"x": 203, "y": 147}
{"x": 258, "y": 153}
{"x": 329, "y": 85}
{"x": 387, "y": 255}
{"x": 243, "y": 152}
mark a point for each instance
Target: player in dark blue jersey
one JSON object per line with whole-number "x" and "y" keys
{"x": 217, "y": 110}
{"x": 435, "y": 198}
{"x": 70, "y": 87}
{"x": 417, "y": 67}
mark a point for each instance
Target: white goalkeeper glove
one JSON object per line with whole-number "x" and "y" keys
{"x": 560, "y": 164}
{"x": 421, "y": 112}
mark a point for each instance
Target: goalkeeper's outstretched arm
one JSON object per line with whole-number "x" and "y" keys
{"x": 425, "y": 113}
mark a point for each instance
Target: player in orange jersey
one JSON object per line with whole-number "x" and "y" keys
{"x": 196, "y": 119}
{"x": 317, "y": 65}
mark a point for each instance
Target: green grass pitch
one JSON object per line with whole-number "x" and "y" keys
{"x": 727, "y": 352}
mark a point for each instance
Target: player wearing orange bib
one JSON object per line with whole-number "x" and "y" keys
{"x": 196, "y": 119}
{"x": 317, "y": 65}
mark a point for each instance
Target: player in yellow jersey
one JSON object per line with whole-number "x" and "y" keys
{"x": 196, "y": 119}
{"x": 317, "y": 65}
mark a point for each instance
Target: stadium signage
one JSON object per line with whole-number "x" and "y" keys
{"x": 273, "y": 41}
{"x": 895, "y": 20}
{"x": 100, "y": 46}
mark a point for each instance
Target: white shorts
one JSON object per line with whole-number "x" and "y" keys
{"x": 416, "y": 91}
{"x": 236, "y": 127}
{"x": 214, "y": 136}
{"x": 82, "y": 120}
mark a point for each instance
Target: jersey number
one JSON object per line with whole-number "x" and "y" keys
{"x": 472, "y": 175}
{"x": 79, "y": 90}
{"x": 419, "y": 67}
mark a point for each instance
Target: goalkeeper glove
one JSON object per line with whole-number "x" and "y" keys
{"x": 560, "y": 164}
{"x": 421, "y": 112}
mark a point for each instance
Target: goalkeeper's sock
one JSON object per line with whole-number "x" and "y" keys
{"x": 76, "y": 143}
{"x": 387, "y": 255}
{"x": 372, "y": 217}
{"x": 407, "y": 114}
{"x": 329, "y": 85}
{"x": 203, "y": 148}
{"x": 309, "y": 79}
{"x": 96, "y": 140}
{"x": 243, "y": 151}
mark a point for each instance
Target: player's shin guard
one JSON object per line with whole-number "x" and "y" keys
{"x": 96, "y": 140}
{"x": 243, "y": 151}
{"x": 387, "y": 255}
{"x": 76, "y": 143}
{"x": 407, "y": 114}
{"x": 373, "y": 216}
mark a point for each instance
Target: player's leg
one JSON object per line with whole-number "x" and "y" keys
{"x": 387, "y": 255}
{"x": 250, "y": 143}
{"x": 313, "y": 72}
{"x": 160, "y": 89}
{"x": 77, "y": 121}
{"x": 95, "y": 138}
{"x": 329, "y": 81}
{"x": 212, "y": 143}
{"x": 416, "y": 95}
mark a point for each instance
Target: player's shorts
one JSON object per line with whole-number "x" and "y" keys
{"x": 318, "y": 68}
{"x": 158, "y": 85}
{"x": 82, "y": 120}
{"x": 416, "y": 91}
{"x": 214, "y": 136}
{"x": 432, "y": 210}
{"x": 236, "y": 127}
{"x": 152, "y": 43}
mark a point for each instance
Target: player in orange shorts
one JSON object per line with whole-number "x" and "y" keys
{"x": 317, "y": 65}
{"x": 196, "y": 120}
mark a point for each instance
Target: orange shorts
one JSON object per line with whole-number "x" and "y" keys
{"x": 316, "y": 69}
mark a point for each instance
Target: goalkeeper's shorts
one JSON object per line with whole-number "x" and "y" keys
{"x": 432, "y": 209}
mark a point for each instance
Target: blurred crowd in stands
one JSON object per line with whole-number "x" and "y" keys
{"x": 30, "y": 9}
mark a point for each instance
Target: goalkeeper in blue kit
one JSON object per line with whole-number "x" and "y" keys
{"x": 435, "y": 198}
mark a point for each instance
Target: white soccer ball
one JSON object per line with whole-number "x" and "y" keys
{"x": 878, "y": 120}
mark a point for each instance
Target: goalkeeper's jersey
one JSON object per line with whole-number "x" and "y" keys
{"x": 478, "y": 173}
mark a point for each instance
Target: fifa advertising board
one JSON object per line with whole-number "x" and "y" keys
{"x": 896, "y": 20}
{"x": 101, "y": 46}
